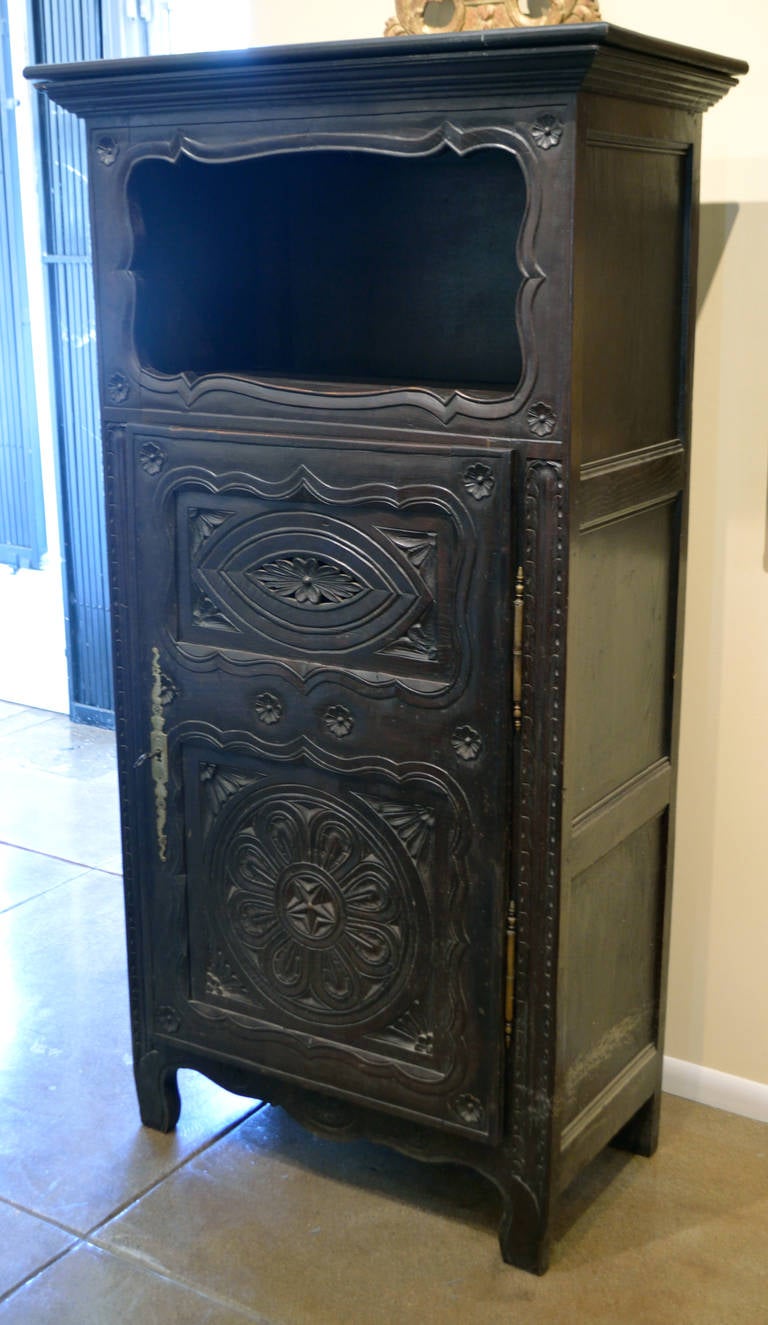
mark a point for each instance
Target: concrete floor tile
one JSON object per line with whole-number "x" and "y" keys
{"x": 58, "y": 790}
{"x": 91, "y": 1287}
{"x": 26, "y": 1245}
{"x": 16, "y": 721}
{"x": 59, "y": 816}
{"x": 25, "y": 874}
{"x": 316, "y": 1233}
{"x": 71, "y": 1146}
{"x": 49, "y": 741}
{"x": 112, "y": 865}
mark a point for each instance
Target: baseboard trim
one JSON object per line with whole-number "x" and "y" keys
{"x": 717, "y": 1089}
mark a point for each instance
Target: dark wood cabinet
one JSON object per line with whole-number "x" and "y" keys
{"x": 395, "y": 343}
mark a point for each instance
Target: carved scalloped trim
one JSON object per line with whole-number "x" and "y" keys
{"x": 303, "y": 676}
{"x": 443, "y": 404}
{"x": 420, "y": 1078}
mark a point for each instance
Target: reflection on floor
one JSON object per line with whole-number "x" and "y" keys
{"x": 241, "y": 1216}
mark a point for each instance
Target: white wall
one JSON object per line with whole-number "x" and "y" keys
{"x": 33, "y": 666}
{"x": 718, "y": 996}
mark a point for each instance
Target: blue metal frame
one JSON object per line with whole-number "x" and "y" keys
{"x": 68, "y": 32}
{"x": 22, "y": 514}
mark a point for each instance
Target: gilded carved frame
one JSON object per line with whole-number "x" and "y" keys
{"x": 434, "y": 16}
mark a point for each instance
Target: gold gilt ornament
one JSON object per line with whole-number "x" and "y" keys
{"x": 417, "y": 16}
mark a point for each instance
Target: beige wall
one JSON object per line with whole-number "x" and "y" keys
{"x": 718, "y": 994}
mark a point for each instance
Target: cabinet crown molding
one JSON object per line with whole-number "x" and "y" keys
{"x": 594, "y": 57}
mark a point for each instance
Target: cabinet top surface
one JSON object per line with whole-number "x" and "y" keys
{"x": 590, "y": 56}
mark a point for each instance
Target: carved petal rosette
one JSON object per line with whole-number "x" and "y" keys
{"x": 315, "y": 906}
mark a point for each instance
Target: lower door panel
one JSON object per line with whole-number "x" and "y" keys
{"x": 326, "y": 667}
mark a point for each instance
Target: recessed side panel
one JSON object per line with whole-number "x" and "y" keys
{"x": 610, "y": 998}
{"x": 633, "y": 293}
{"x": 620, "y": 661}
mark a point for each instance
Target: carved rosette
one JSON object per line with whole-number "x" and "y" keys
{"x": 167, "y": 1021}
{"x": 467, "y": 743}
{"x": 107, "y": 151}
{"x": 268, "y": 708}
{"x": 118, "y": 388}
{"x": 479, "y": 480}
{"x": 338, "y": 721}
{"x": 419, "y": 16}
{"x": 541, "y": 419}
{"x": 470, "y": 1110}
{"x": 308, "y": 581}
{"x": 316, "y": 906}
{"x": 547, "y": 132}
{"x": 152, "y": 458}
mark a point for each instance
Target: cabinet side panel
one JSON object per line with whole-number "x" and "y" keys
{"x": 635, "y": 229}
{"x": 610, "y": 993}
{"x": 620, "y": 662}
{"x": 633, "y": 294}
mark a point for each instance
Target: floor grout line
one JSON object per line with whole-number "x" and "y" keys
{"x": 36, "y": 1214}
{"x": 90, "y": 1237}
{"x": 34, "y": 897}
{"x": 40, "y": 1269}
{"x": 93, "y": 1230}
{"x": 148, "y": 1267}
{"x": 134, "y": 1257}
{"x": 119, "y": 1210}
{"x": 63, "y": 860}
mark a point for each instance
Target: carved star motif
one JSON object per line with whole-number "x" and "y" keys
{"x": 310, "y": 908}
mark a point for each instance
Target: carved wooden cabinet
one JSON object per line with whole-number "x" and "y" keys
{"x": 395, "y": 343}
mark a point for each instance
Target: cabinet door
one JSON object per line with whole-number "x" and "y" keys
{"x": 323, "y": 637}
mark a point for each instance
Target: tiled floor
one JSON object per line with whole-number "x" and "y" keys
{"x": 241, "y": 1216}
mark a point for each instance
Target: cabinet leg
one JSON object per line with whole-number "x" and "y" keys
{"x": 641, "y": 1134}
{"x": 523, "y": 1233}
{"x": 159, "y": 1101}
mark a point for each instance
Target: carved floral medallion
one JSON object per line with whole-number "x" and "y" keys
{"x": 317, "y": 906}
{"x": 308, "y": 581}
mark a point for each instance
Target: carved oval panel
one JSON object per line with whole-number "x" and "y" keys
{"x": 320, "y": 909}
{"x": 312, "y": 582}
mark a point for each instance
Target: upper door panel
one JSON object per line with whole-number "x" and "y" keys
{"x": 366, "y": 567}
